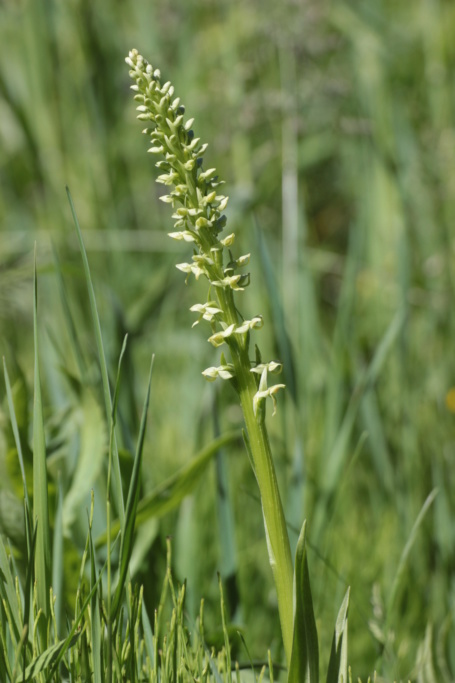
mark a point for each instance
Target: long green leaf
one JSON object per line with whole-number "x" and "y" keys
{"x": 70, "y": 324}
{"x": 8, "y": 595}
{"x": 117, "y": 490}
{"x": 334, "y": 463}
{"x": 304, "y": 666}
{"x": 92, "y": 451}
{"x": 338, "y": 663}
{"x": 406, "y": 551}
{"x": 95, "y": 622}
{"x": 28, "y": 583}
{"x": 108, "y": 512}
{"x": 15, "y": 428}
{"x": 148, "y": 634}
{"x": 425, "y": 666}
{"x": 40, "y": 493}
{"x": 57, "y": 556}
{"x": 126, "y": 544}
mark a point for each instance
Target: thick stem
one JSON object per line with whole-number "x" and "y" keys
{"x": 272, "y": 508}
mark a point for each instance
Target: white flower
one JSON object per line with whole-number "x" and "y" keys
{"x": 191, "y": 268}
{"x": 256, "y": 323}
{"x": 264, "y": 391}
{"x": 207, "y": 311}
{"x": 219, "y": 338}
{"x": 261, "y": 395}
{"x": 231, "y": 281}
{"x": 223, "y": 371}
{"x": 183, "y": 235}
{"x": 273, "y": 366}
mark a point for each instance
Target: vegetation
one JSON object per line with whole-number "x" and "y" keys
{"x": 331, "y": 124}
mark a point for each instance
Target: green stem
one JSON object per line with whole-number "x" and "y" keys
{"x": 178, "y": 149}
{"x": 272, "y": 508}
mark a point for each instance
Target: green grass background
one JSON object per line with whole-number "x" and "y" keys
{"x": 333, "y": 125}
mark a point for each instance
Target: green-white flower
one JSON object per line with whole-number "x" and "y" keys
{"x": 198, "y": 205}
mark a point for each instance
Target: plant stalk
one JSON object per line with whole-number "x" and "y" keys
{"x": 272, "y": 508}
{"x": 262, "y": 461}
{"x": 198, "y": 218}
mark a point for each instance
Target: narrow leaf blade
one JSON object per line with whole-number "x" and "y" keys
{"x": 126, "y": 544}
{"x": 117, "y": 491}
{"x": 304, "y": 666}
{"x": 338, "y": 663}
{"x": 40, "y": 493}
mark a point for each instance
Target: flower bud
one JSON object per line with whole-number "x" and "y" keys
{"x": 229, "y": 240}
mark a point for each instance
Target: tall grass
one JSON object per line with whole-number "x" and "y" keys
{"x": 346, "y": 112}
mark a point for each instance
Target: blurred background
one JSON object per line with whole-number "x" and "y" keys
{"x": 333, "y": 126}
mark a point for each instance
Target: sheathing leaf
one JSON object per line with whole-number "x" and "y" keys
{"x": 304, "y": 666}
{"x": 338, "y": 663}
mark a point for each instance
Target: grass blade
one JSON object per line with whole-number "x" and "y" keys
{"x": 304, "y": 666}
{"x": 91, "y": 457}
{"x": 406, "y": 550}
{"x": 148, "y": 635}
{"x": 108, "y": 511}
{"x": 15, "y": 428}
{"x": 338, "y": 663}
{"x": 73, "y": 336}
{"x": 333, "y": 464}
{"x": 95, "y": 622}
{"x": 225, "y": 631}
{"x": 8, "y": 594}
{"x": 57, "y": 555}
{"x": 126, "y": 544}
{"x": 117, "y": 490}
{"x": 28, "y": 582}
{"x": 40, "y": 493}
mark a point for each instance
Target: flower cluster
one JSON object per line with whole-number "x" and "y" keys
{"x": 198, "y": 214}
